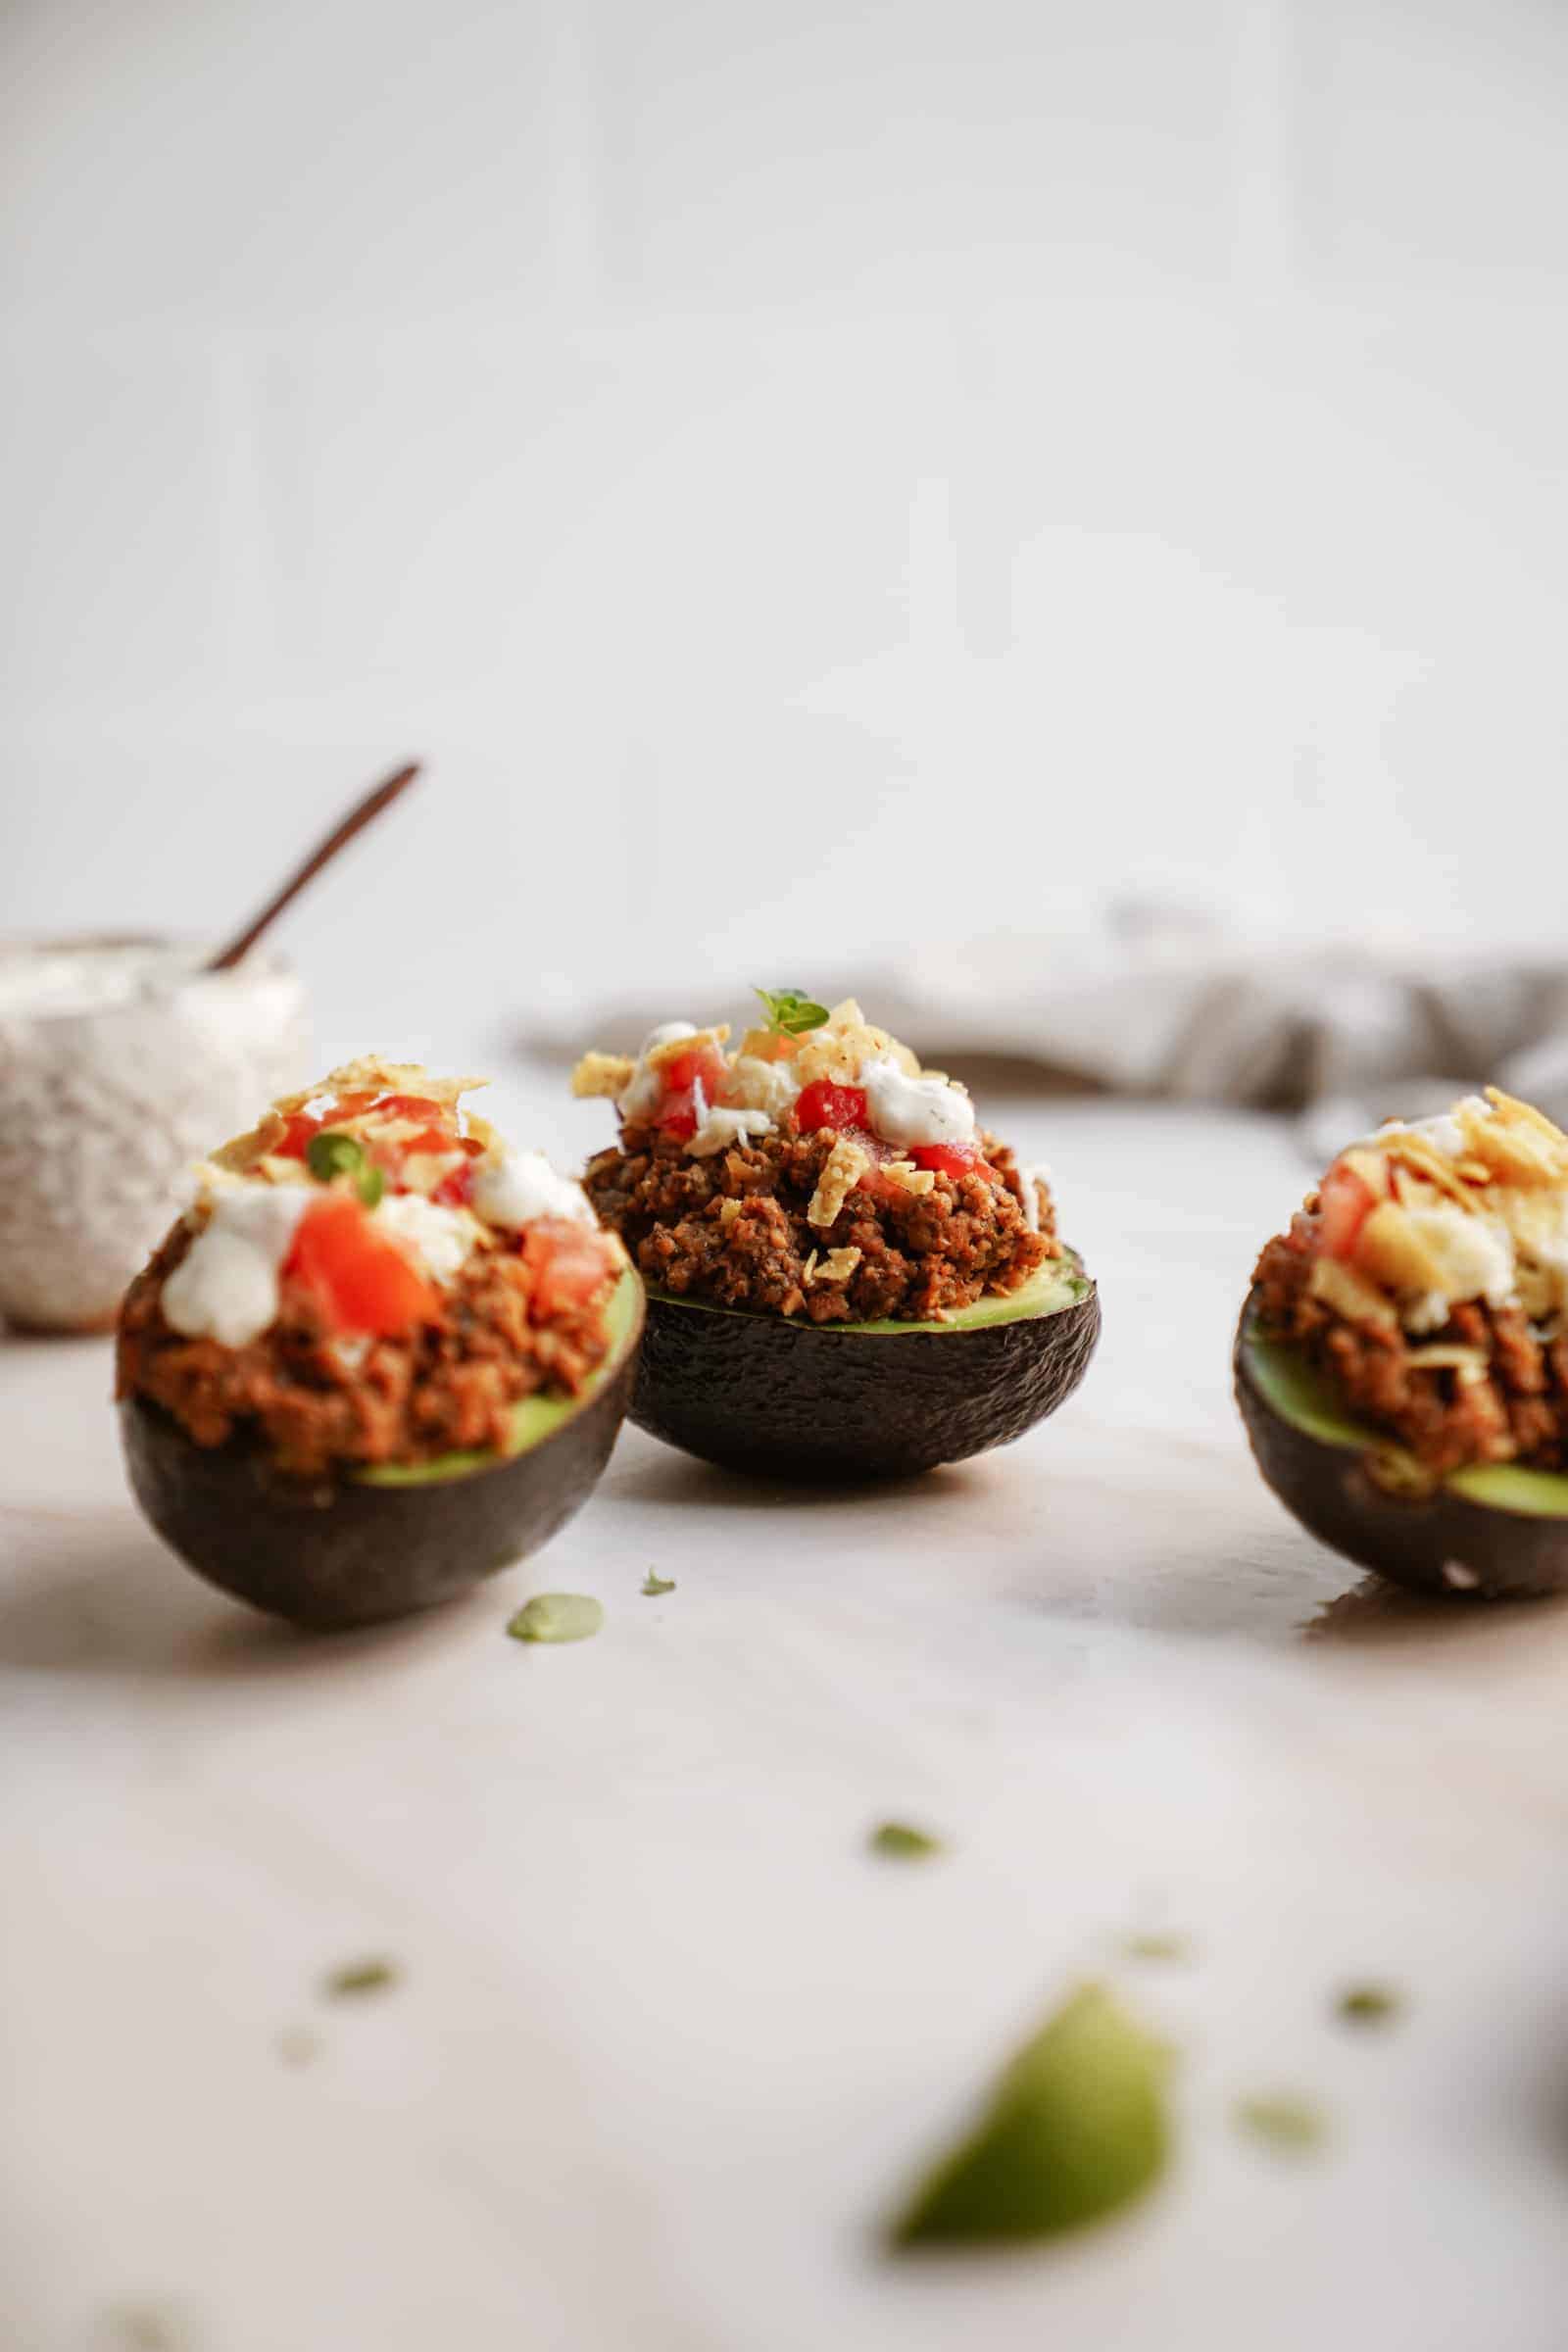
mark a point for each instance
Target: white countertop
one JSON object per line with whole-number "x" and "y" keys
{"x": 668, "y": 2041}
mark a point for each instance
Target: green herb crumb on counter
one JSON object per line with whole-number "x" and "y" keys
{"x": 1369, "y": 2004}
{"x": 358, "y": 1977}
{"x": 654, "y": 1584}
{"x": 1285, "y": 2121}
{"x": 1075, "y": 2128}
{"x": 904, "y": 1843}
{"x": 1162, "y": 1945}
{"x": 557, "y": 1617}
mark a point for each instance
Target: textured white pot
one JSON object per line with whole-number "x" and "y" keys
{"x": 105, "y": 1106}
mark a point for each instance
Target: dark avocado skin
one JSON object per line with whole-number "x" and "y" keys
{"x": 334, "y": 1553}
{"x": 774, "y": 1397}
{"x": 1407, "y": 1539}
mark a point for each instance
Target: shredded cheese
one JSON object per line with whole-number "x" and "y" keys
{"x": 603, "y": 1074}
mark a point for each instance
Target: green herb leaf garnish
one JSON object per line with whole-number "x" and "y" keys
{"x": 1283, "y": 2120}
{"x": 902, "y": 1842}
{"x": 557, "y": 1617}
{"x": 789, "y": 1012}
{"x": 149, "y": 2328}
{"x": 330, "y": 1153}
{"x": 1369, "y": 2004}
{"x": 654, "y": 1584}
{"x": 1159, "y": 1946}
{"x": 356, "y": 1977}
{"x": 1075, "y": 2127}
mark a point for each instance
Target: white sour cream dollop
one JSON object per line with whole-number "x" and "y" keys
{"x": 908, "y": 1110}
{"x": 521, "y": 1186}
{"x": 1032, "y": 1177}
{"x": 226, "y": 1286}
{"x": 438, "y": 1237}
{"x": 721, "y": 1126}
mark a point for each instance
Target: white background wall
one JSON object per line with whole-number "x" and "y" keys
{"x": 796, "y": 471}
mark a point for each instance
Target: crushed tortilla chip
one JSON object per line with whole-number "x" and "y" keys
{"x": 1393, "y": 1251}
{"x": 844, "y": 1045}
{"x": 1420, "y": 1157}
{"x": 282, "y": 1171}
{"x": 422, "y": 1171}
{"x": 837, "y": 1267}
{"x": 371, "y": 1074}
{"x": 842, "y": 1171}
{"x": 243, "y": 1153}
{"x": 911, "y": 1179}
{"x": 766, "y": 1044}
{"x": 1517, "y": 1143}
{"x": 674, "y": 1048}
{"x": 603, "y": 1074}
{"x": 728, "y": 1212}
{"x": 1350, "y": 1295}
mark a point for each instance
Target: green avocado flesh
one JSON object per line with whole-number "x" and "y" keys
{"x": 534, "y": 1419}
{"x": 336, "y": 1551}
{"x": 1059, "y": 1283}
{"x": 1302, "y": 1394}
{"x": 1495, "y": 1529}
{"x": 769, "y": 1393}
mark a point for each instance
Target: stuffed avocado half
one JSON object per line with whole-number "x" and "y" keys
{"x": 1402, "y": 1361}
{"x": 381, "y": 1356}
{"x": 846, "y": 1275}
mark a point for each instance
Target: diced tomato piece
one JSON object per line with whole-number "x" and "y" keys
{"x": 407, "y": 1106}
{"x": 685, "y": 1069}
{"x": 297, "y": 1133}
{"x": 824, "y": 1104}
{"x": 358, "y": 1276}
{"x": 683, "y": 1075}
{"x": 677, "y": 1114}
{"x": 456, "y": 1190}
{"x": 572, "y": 1264}
{"x": 301, "y": 1125}
{"x": 704, "y": 1068}
{"x": 1345, "y": 1202}
{"x": 948, "y": 1160}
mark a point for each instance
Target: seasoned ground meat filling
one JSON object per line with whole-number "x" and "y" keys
{"x": 733, "y": 1229}
{"x": 313, "y": 1401}
{"x": 1505, "y": 1401}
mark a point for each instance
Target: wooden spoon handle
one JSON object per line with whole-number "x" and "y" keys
{"x": 358, "y": 817}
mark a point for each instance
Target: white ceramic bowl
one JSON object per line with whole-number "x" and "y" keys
{"x": 122, "y": 1063}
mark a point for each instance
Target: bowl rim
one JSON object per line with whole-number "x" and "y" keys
{"x": 267, "y": 967}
